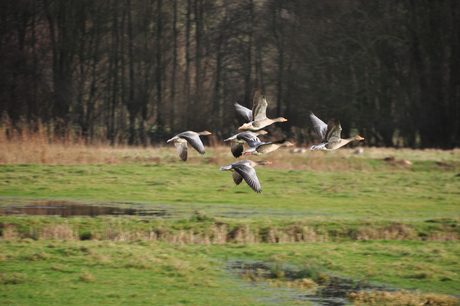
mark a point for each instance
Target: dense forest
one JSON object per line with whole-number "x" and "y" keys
{"x": 138, "y": 71}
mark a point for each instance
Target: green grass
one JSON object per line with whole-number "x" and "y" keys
{"x": 416, "y": 203}
{"x": 95, "y": 273}
{"x": 428, "y": 266}
{"x": 397, "y": 194}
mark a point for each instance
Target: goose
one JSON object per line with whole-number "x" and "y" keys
{"x": 180, "y": 140}
{"x": 244, "y": 169}
{"x": 257, "y": 117}
{"x": 329, "y": 133}
{"x": 267, "y": 147}
{"x": 239, "y": 139}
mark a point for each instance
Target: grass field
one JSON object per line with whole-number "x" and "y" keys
{"x": 387, "y": 222}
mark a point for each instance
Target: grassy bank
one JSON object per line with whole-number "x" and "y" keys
{"x": 88, "y": 272}
{"x": 394, "y": 194}
{"x": 360, "y": 216}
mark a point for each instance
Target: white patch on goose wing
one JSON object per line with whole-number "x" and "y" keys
{"x": 181, "y": 148}
{"x": 243, "y": 111}
{"x": 249, "y": 175}
{"x": 318, "y": 125}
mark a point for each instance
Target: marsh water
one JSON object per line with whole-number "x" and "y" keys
{"x": 332, "y": 293}
{"x": 93, "y": 208}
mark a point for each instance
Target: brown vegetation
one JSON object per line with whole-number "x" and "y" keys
{"x": 222, "y": 234}
{"x": 402, "y": 297}
{"x": 40, "y": 145}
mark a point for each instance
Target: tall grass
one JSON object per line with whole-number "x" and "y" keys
{"x": 217, "y": 233}
{"x": 402, "y": 297}
{"x": 39, "y": 144}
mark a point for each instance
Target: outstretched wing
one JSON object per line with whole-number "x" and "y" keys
{"x": 249, "y": 175}
{"x": 181, "y": 146}
{"x": 194, "y": 141}
{"x": 243, "y": 111}
{"x": 334, "y": 129}
{"x": 236, "y": 177}
{"x": 318, "y": 125}
{"x": 259, "y": 107}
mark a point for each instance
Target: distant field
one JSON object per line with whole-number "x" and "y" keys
{"x": 358, "y": 216}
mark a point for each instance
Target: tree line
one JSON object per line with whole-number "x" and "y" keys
{"x": 138, "y": 71}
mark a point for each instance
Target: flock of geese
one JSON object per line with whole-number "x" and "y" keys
{"x": 257, "y": 119}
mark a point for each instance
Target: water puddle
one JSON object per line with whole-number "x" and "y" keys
{"x": 69, "y": 209}
{"x": 66, "y": 208}
{"x": 331, "y": 290}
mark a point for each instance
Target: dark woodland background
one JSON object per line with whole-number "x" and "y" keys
{"x": 138, "y": 71}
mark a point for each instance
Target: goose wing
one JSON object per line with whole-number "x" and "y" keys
{"x": 243, "y": 111}
{"x": 251, "y": 139}
{"x": 249, "y": 175}
{"x": 181, "y": 149}
{"x": 194, "y": 141}
{"x": 236, "y": 177}
{"x": 334, "y": 129}
{"x": 237, "y": 148}
{"x": 318, "y": 125}
{"x": 259, "y": 107}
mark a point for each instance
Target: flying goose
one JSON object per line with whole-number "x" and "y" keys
{"x": 180, "y": 140}
{"x": 257, "y": 117}
{"x": 329, "y": 133}
{"x": 244, "y": 169}
{"x": 238, "y": 141}
{"x": 267, "y": 147}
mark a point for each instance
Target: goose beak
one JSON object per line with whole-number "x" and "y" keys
{"x": 269, "y": 162}
{"x": 361, "y": 138}
{"x": 290, "y": 144}
{"x": 284, "y": 119}
{"x": 209, "y": 133}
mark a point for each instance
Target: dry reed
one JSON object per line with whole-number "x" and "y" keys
{"x": 221, "y": 234}
{"x": 38, "y": 144}
{"x": 296, "y": 284}
{"x": 402, "y": 297}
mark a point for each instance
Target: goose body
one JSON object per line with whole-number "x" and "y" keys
{"x": 244, "y": 169}
{"x": 329, "y": 133}
{"x": 267, "y": 147}
{"x": 181, "y": 140}
{"x": 257, "y": 117}
{"x": 238, "y": 140}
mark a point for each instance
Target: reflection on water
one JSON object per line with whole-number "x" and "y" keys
{"x": 69, "y": 209}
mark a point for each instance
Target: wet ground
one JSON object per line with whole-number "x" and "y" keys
{"x": 331, "y": 293}
{"x": 66, "y": 208}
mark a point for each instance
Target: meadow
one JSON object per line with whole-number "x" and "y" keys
{"x": 387, "y": 216}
